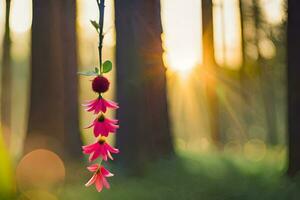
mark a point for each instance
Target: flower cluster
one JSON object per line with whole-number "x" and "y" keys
{"x": 102, "y": 127}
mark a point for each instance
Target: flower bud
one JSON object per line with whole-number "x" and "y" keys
{"x": 100, "y": 84}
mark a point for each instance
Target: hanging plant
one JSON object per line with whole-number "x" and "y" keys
{"x": 102, "y": 126}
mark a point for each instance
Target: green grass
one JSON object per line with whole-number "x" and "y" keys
{"x": 199, "y": 177}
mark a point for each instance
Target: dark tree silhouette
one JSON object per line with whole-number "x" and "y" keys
{"x": 210, "y": 65}
{"x": 6, "y": 77}
{"x": 53, "y": 114}
{"x": 141, "y": 83}
{"x": 293, "y": 59}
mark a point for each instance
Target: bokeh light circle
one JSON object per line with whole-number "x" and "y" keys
{"x": 37, "y": 195}
{"x": 255, "y": 150}
{"x": 40, "y": 169}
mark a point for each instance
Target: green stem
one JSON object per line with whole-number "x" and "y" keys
{"x": 100, "y": 164}
{"x": 101, "y": 6}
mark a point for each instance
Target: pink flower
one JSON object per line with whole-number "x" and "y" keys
{"x": 99, "y": 177}
{"x": 99, "y": 148}
{"x": 103, "y": 126}
{"x": 100, "y": 104}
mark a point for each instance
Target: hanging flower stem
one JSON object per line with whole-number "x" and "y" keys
{"x": 101, "y": 6}
{"x": 102, "y": 125}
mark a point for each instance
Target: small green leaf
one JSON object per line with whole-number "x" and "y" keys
{"x": 107, "y": 66}
{"x": 88, "y": 73}
{"x": 97, "y": 70}
{"x": 95, "y": 24}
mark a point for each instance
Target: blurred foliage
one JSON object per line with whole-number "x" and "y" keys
{"x": 6, "y": 173}
{"x": 193, "y": 176}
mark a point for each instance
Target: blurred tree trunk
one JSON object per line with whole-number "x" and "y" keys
{"x": 266, "y": 81}
{"x": 223, "y": 23}
{"x": 211, "y": 69}
{"x": 243, "y": 46}
{"x": 243, "y": 78}
{"x": 53, "y": 114}
{"x": 6, "y": 79}
{"x": 141, "y": 81}
{"x": 293, "y": 71}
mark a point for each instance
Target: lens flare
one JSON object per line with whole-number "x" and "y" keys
{"x": 40, "y": 169}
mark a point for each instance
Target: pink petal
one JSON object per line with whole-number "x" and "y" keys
{"x": 89, "y": 109}
{"x": 96, "y": 105}
{"x": 102, "y": 106}
{"x": 98, "y": 184}
{"x": 99, "y": 129}
{"x": 105, "y": 172}
{"x": 105, "y": 134}
{"x": 109, "y": 155}
{"x": 92, "y": 180}
{"x": 91, "y": 156}
{"x": 111, "y": 149}
{"x": 113, "y": 121}
{"x": 89, "y": 148}
{"x": 111, "y": 104}
{"x": 93, "y": 167}
{"x": 105, "y": 183}
{"x": 104, "y": 157}
{"x": 98, "y": 108}
{"x": 104, "y": 153}
{"x": 94, "y": 156}
{"x": 112, "y": 128}
{"x": 89, "y": 103}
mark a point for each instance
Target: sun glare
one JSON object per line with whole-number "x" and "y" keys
{"x": 273, "y": 10}
{"x": 182, "y": 34}
{"x": 2, "y": 13}
{"x": 227, "y": 33}
{"x": 21, "y": 15}
{"x": 182, "y": 28}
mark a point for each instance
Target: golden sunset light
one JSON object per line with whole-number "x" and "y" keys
{"x": 182, "y": 35}
{"x": 21, "y": 15}
{"x": 149, "y": 99}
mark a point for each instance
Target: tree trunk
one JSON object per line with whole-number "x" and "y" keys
{"x": 6, "y": 79}
{"x": 53, "y": 114}
{"x": 293, "y": 59}
{"x": 265, "y": 81}
{"x": 243, "y": 47}
{"x": 243, "y": 78}
{"x": 211, "y": 68}
{"x": 141, "y": 82}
